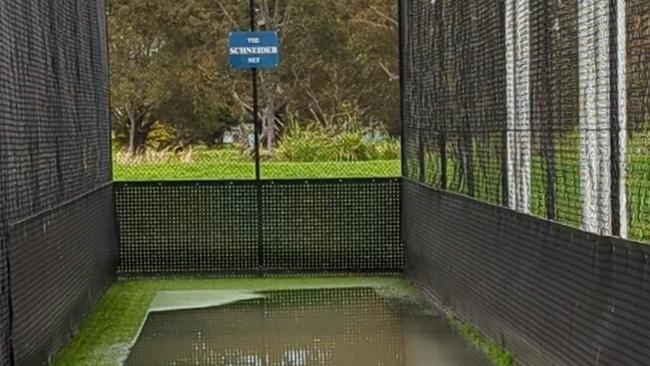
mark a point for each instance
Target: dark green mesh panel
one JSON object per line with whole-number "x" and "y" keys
{"x": 54, "y": 149}
{"x": 212, "y": 227}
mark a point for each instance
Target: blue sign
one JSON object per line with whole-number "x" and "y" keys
{"x": 254, "y": 50}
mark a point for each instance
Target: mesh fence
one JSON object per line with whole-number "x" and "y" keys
{"x": 554, "y": 95}
{"x": 560, "y": 133}
{"x": 187, "y": 228}
{"x": 455, "y": 121}
{"x": 54, "y": 139}
{"x": 337, "y": 225}
{"x": 536, "y": 106}
{"x": 62, "y": 261}
{"x": 331, "y": 110}
{"x": 221, "y": 227}
{"x": 551, "y": 294}
{"x": 637, "y": 112}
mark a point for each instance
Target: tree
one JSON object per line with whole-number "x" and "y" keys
{"x": 160, "y": 50}
{"x": 169, "y": 65}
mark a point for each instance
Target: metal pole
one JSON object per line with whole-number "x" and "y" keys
{"x": 402, "y": 77}
{"x": 257, "y": 132}
{"x": 255, "y": 102}
{"x": 256, "y": 125}
{"x": 615, "y": 127}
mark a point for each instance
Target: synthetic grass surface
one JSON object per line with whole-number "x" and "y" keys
{"x": 106, "y": 336}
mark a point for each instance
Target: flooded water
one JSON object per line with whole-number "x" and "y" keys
{"x": 347, "y": 327}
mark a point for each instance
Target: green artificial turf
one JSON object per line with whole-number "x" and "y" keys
{"x": 497, "y": 354}
{"x": 106, "y": 336}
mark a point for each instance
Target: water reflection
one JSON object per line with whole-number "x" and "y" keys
{"x": 348, "y": 327}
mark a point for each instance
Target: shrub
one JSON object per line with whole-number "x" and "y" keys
{"x": 389, "y": 149}
{"x": 122, "y": 157}
{"x": 305, "y": 143}
{"x": 189, "y": 154}
{"x": 162, "y": 136}
{"x": 311, "y": 142}
{"x": 351, "y": 146}
{"x": 302, "y": 142}
{"x": 227, "y": 154}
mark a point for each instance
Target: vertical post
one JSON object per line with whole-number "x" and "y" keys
{"x": 255, "y": 102}
{"x": 401, "y": 46}
{"x": 621, "y": 89}
{"x": 401, "y": 40}
{"x": 595, "y": 109}
{"x": 518, "y": 105}
{"x": 614, "y": 123}
{"x": 505, "y": 178}
{"x": 256, "y": 139}
{"x": 545, "y": 116}
{"x": 442, "y": 141}
{"x": 421, "y": 157}
{"x": 256, "y": 125}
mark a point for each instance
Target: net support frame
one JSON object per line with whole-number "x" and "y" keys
{"x": 621, "y": 73}
{"x": 602, "y": 128}
{"x": 594, "y": 112}
{"x": 518, "y": 105}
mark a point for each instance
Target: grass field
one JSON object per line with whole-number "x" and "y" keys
{"x": 216, "y": 170}
{"x": 567, "y": 188}
{"x": 208, "y": 166}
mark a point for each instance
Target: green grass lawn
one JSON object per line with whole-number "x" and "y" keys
{"x": 106, "y": 336}
{"x": 567, "y": 186}
{"x": 212, "y": 166}
{"x": 215, "y": 170}
{"x": 487, "y": 181}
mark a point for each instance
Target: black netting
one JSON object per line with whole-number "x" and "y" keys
{"x": 5, "y": 304}
{"x": 187, "y": 228}
{"x": 538, "y": 106}
{"x": 455, "y": 96}
{"x": 638, "y": 117}
{"x": 551, "y": 294}
{"x": 62, "y": 261}
{"x": 339, "y": 225}
{"x": 542, "y": 107}
{"x": 212, "y": 227}
{"x": 554, "y": 83}
{"x": 55, "y": 131}
{"x": 54, "y": 148}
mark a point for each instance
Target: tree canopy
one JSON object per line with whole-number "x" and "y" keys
{"x": 170, "y": 72}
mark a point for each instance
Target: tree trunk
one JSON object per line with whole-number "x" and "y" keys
{"x": 137, "y": 133}
{"x": 269, "y": 122}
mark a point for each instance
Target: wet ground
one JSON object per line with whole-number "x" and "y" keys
{"x": 347, "y": 327}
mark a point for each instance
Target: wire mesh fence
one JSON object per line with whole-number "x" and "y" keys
{"x": 637, "y": 112}
{"x": 62, "y": 262}
{"x": 532, "y": 284}
{"x": 537, "y": 106}
{"x": 454, "y": 119}
{"x": 225, "y": 227}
